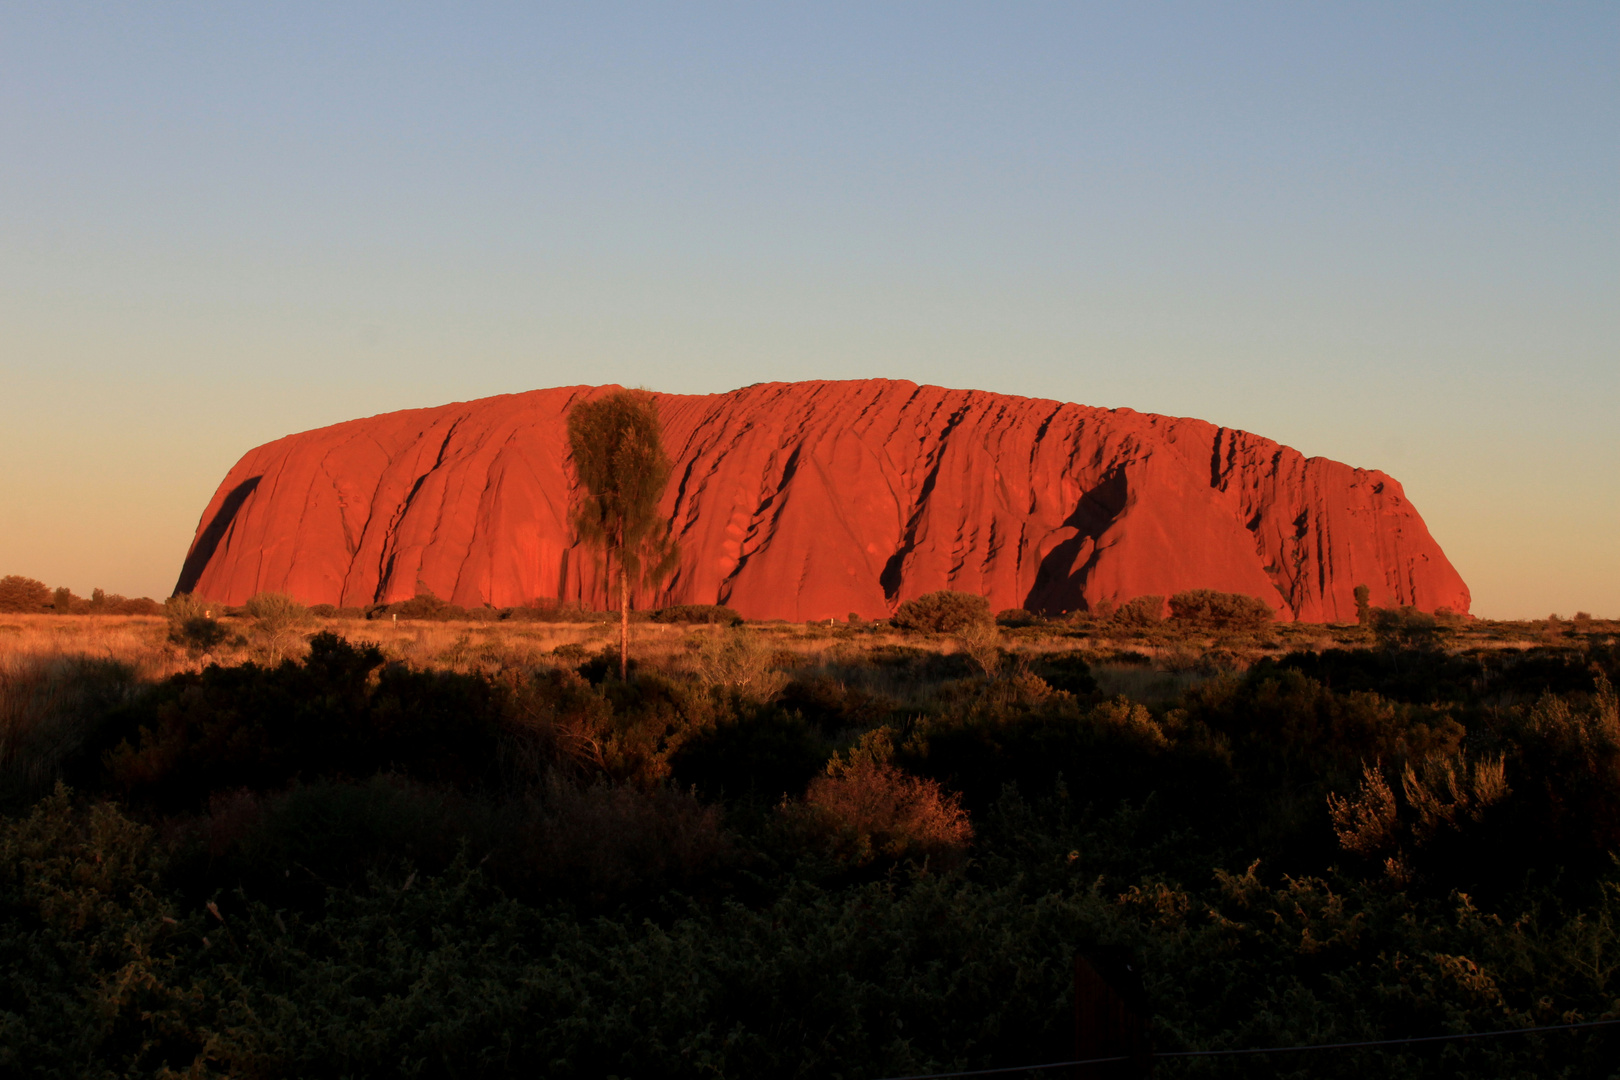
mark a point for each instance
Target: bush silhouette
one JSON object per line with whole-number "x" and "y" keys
{"x": 23, "y": 594}
{"x": 278, "y": 622}
{"x": 944, "y": 612}
{"x": 1141, "y": 611}
{"x": 192, "y": 625}
{"x": 1065, "y": 671}
{"x": 763, "y": 756}
{"x": 423, "y": 606}
{"x": 1219, "y": 610}
{"x": 869, "y": 809}
{"x": 709, "y": 614}
{"x": 260, "y": 728}
{"x": 1404, "y": 628}
{"x": 198, "y": 634}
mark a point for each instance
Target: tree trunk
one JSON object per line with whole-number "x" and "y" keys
{"x": 624, "y": 623}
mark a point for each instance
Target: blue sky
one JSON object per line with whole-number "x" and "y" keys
{"x": 1387, "y": 234}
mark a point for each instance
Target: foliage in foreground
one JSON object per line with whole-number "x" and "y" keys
{"x": 339, "y": 867}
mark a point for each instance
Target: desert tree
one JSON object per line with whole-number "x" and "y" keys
{"x": 23, "y": 594}
{"x": 619, "y": 460}
{"x": 1363, "y": 605}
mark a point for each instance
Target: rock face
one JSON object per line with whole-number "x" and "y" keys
{"x": 814, "y": 500}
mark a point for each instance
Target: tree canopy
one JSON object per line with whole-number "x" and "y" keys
{"x": 619, "y": 460}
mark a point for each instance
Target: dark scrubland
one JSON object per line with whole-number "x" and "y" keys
{"x": 276, "y": 843}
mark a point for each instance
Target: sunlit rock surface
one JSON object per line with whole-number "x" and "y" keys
{"x": 813, "y": 500}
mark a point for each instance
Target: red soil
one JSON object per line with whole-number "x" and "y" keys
{"x": 813, "y": 500}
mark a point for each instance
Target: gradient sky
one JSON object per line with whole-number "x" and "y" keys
{"x": 1386, "y": 234}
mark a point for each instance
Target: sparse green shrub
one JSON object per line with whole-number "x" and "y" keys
{"x": 424, "y": 607}
{"x": 332, "y": 611}
{"x": 192, "y": 625}
{"x": 183, "y": 606}
{"x": 943, "y": 612}
{"x": 1218, "y": 610}
{"x": 599, "y": 665}
{"x": 1013, "y": 618}
{"x": 738, "y": 661}
{"x": 865, "y": 808}
{"x": 272, "y": 610}
{"x": 102, "y": 602}
{"x": 982, "y": 643}
{"x": 278, "y": 623}
{"x": 702, "y": 614}
{"x": 552, "y": 611}
{"x": 1404, "y": 628}
{"x": 198, "y": 636}
{"x": 1141, "y": 611}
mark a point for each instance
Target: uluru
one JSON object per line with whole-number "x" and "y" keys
{"x": 813, "y": 500}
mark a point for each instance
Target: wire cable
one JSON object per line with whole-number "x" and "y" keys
{"x": 1392, "y": 1042}
{"x": 1265, "y": 1050}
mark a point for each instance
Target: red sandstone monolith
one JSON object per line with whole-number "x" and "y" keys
{"x": 813, "y": 500}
